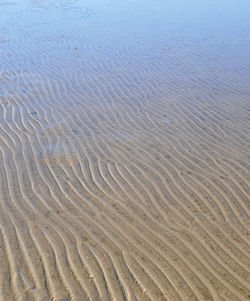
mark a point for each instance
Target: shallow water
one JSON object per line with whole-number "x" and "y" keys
{"x": 124, "y": 150}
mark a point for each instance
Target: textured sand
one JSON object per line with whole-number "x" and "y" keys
{"x": 124, "y": 153}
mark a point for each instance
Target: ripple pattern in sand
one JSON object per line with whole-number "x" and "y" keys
{"x": 114, "y": 186}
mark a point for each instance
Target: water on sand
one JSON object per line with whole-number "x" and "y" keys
{"x": 124, "y": 140}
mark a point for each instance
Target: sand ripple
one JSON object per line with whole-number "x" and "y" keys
{"x": 121, "y": 178}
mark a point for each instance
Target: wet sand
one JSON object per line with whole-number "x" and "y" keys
{"x": 124, "y": 150}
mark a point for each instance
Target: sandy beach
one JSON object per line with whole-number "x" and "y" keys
{"x": 124, "y": 150}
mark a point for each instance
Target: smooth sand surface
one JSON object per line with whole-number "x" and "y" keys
{"x": 124, "y": 150}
